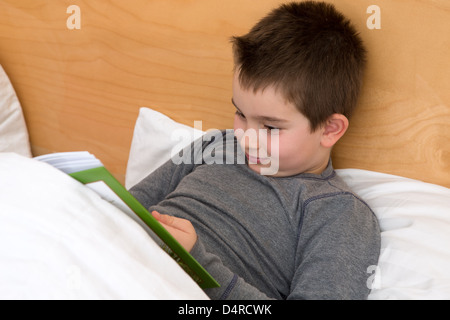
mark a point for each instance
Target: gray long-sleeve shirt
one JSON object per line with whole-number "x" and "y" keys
{"x": 300, "y": 237}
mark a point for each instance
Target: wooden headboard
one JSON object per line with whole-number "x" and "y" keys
{"x": 82, "y": 69}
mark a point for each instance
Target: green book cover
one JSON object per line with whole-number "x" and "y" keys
{"x": 85, "y": 168}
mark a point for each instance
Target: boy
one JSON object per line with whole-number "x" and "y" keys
{"x": 298, "y": 233}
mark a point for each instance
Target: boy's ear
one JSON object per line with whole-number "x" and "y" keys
{"x": 333, "y": 130}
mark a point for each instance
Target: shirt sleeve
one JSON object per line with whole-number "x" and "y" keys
{"x": 157, "y": 185}
{"x": 335, "y": 249}
{"x": 232, "y": 287}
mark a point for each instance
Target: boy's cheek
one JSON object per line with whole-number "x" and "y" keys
{"x": 237, "y": 123}
{"x": 238, "y": 132}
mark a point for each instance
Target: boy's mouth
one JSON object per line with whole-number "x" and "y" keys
{"x": 256, "y": 160}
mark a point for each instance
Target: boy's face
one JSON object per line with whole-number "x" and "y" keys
{"x": 292, "y": 149}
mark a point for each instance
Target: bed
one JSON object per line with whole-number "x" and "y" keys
{"x": 127, "y": 82}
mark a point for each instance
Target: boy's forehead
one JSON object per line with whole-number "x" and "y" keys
{"x": 238, "y": 89}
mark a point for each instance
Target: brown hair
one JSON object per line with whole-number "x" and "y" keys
{"x": 310, "y": 52}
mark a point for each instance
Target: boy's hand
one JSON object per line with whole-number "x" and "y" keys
{"x": 181, "y": 229}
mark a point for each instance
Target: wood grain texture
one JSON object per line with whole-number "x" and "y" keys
{"x": 82, "y": 89}
{"x": 402, "y": 123}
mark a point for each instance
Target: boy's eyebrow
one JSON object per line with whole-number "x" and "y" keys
{"x": 263, "y": 118}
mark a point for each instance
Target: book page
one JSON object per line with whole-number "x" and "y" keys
{"x": 71, "y": 162}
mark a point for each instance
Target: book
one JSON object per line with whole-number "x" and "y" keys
{"x": 87, "y": 169}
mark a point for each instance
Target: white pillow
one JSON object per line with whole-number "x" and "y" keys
{"x": 414, "y": 216}
{"x": 415, "y": 223}
{"x": 13, "y": 131}
{"x": 156, "y": 138}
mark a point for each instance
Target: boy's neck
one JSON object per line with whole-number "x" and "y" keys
{"x": 321, "y": 168}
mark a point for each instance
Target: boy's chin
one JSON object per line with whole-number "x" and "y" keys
{"x": 265, "y": 170}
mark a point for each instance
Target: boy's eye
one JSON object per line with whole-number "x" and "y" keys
{"x": 270, "y": 128}
{"x": 273, "y": 130}
{"x": 240, "y": 115}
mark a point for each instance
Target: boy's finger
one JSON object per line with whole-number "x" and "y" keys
{"x": 164, "y": 218}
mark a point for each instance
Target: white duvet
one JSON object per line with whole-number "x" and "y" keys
{"x": 59, "y": 240}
